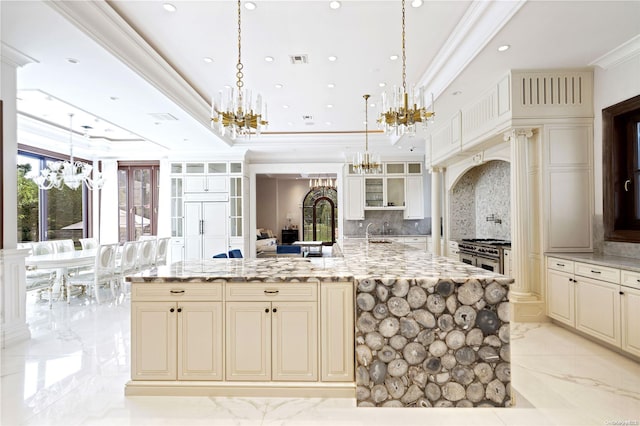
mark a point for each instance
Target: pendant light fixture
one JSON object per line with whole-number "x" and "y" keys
{"x": 403, "y": 109}
{"x": 365, "y": 162}
{"x": 234, "y": 112}
{"x": 70, "y": 173}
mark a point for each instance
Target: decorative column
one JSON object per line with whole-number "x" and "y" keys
{"x": 12, "y": 270}
{"x": 436, "y": 209}
{"x": 526, "y": 305}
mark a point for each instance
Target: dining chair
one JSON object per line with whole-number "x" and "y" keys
{"x": 128, "y": 261}
{"x": 38, "y": 279}
{"x": 89, "y": 243}
{"x": 285, "y": 250}
{"x": 42, "y": 247}
{"x": 103, "y": 272}
{"x": 161, "y": 251}
{"x": 146, "y": 254}
{"x": 61, "y": 246}
{"x": 220, "y": 256}
{"x": 235, "y": 253}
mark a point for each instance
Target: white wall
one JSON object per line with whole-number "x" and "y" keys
{"x": 613, "y": 83}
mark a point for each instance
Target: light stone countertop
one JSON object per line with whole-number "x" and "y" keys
{"x": 361, "y": 260}
{"x": 619, "y": 262}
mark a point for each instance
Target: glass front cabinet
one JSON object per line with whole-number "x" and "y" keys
{"x": 205, "y": 195}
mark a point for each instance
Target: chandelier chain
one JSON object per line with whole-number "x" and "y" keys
{"x": 404, "y": 54}
{"x": 239, "y": 67}
{"x": 366, "y": 122}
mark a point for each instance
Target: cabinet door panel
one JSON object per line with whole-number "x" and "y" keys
{"x": 336, "y": 335}
{"x": 569, "y": 209}
{"x": 153, "y": 341}
{"x": 200, "y": 341}
{"x": 192, "y": 229}
{"x": 354, "y": 198}
{"x": 560, "y": 297}
{"x": 248, "y": 341}
{"x": 214, "y": 229}
{"x": 295, "y": 341}
{"x": 415, "y": 198}
{"x": 598, "y": 309}
{"x": 630, "y": 301}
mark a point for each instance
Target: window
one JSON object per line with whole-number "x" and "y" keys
{"x": 621, "y": 171}
{"x": 48, "y": 214}
{"x": 137, "y": 199}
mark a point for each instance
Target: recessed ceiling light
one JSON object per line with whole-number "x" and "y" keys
{"x": 503, "y": 47}
{"x": 113, "y": 98}
{"x": 416, "y": 3}
{"x": 333, "y": 58}
{"x": 226, "y": 86}
{"x": 331, "y": 85}
{"x": 382, "y": 84}
{"x": 393, "y": 57}
{"x": 250, "y": 5}
{"x": 207, "y": 59}
{"x": 456, "y": 93}
{"x": 169, "y": 7}
{"x": 72, "y": 60}
{"x": 372, "y": 105}
{"x": 268, "y": 58}
{"x": 279, "y": 86}
{"x": 285, "y": 106}
{"x": 335, "y": 5}
{"x": 329, "y": 106}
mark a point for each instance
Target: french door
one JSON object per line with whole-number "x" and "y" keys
{"x": 137, "y": 199}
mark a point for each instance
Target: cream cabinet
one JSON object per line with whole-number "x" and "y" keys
{"x": 630, "y": 311}
{"x": 270, "y": 334}
{"x": 415, "y": 198}
{"x": 354, "y": 198}
{"x": 337, "y": 332}
{"x": 198, "y": 184}
{"x": 561, "y": 291}
{"x": 173, "y": 336}
{"x": 601, "y": 301}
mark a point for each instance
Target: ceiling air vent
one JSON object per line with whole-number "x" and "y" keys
{"x": 307, "y": 117}
{"x": 163, "y": 116}
{"x": 299, "y": 59}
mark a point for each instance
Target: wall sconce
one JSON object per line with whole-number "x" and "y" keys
{"x": 492, "y": 218}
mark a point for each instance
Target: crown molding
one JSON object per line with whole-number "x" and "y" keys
{"x": 620, "y": 54}
{"x": 14, "y": 57}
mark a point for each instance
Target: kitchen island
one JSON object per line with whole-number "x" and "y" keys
{"x": 386, "y": 323}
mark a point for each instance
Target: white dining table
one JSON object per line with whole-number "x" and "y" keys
{"x": 61, "y": 263}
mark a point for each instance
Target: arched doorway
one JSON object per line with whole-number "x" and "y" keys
{"x": 320, "y": 210}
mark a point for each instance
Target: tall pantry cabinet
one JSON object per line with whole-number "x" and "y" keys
{"x": 207, "y": 204}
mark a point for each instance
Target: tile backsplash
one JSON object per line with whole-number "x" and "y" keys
{"x": 393, "y": 221}
{"x": 483, "y": 192}
{"x": 612, "y": 248}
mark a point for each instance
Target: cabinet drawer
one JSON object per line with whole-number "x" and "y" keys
{"x": 560, "y": 264}
{"x": 598, "y": 272}
{"x": 630, "y": 279}
{"x": 176, "y": 292}
{"x": 270, "y": 292}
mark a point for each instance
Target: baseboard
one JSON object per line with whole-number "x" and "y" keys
{"x": 240, "y": 389}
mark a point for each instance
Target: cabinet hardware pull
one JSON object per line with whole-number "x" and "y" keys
{"x": 559, "y": 264}
{"x": 179, "y": 309}
{"x": 275, "y": 310}
{"x": 622, "y": 293}
{"x": 271, "y": 291}
{"x": 177, "y": 291}
{"x": 266, "y": 310}
{"x": 596, "y": 272}
{"x": 171, "y": 310}
{"x": 638, "y": 281}
{"x": 626, "y": 185}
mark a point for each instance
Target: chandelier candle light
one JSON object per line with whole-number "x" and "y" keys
{"x": 70, "y": 173}
{"x": 406, "y": 109}
{"x": 365, "y": 162}
{"x": 320, "y": 183}
{"x": 233, "y": 112}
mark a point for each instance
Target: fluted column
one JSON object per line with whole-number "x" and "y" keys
{"x": 436, "y": 209}
{"x": 520, "y": 223}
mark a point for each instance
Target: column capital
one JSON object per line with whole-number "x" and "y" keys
{"x": 513, "y": 134}
{"x": 436, "y": 170}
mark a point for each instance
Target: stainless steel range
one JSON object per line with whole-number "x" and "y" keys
{"x": 484, "y": 253}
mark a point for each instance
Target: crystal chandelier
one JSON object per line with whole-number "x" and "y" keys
{"x": 320, "y": 183}
{"x": 402, "y": 112}
{"x": 234, "y": 113}
{"x": 365, "y": 162}
{"x": 70, "y": 173}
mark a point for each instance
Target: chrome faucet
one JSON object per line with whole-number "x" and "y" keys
{"x": 366, "y": 232}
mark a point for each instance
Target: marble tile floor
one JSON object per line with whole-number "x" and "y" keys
{"x": 73, "y": 371}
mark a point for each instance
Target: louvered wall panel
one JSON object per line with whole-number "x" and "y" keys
{"x": 552, "y": 94}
